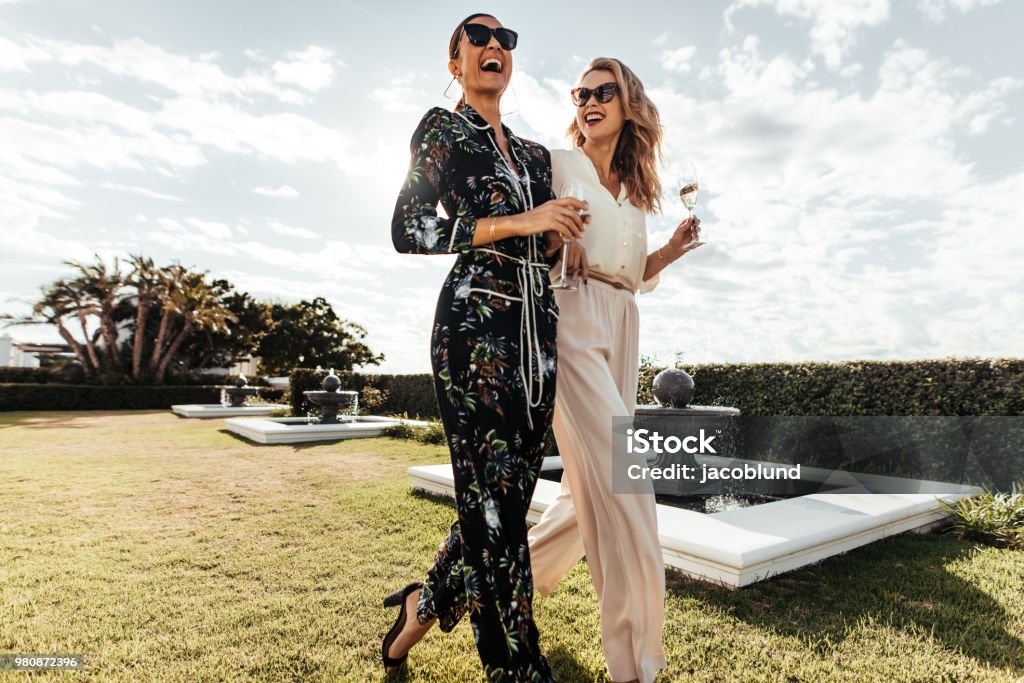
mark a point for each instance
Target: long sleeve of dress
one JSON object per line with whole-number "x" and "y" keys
{"x": 415, "y": 227}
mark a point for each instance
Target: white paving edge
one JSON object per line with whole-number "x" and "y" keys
{"x": 285, "y": 430}
{"x": 208, "y": 411}
{"x": 740, "y": 547}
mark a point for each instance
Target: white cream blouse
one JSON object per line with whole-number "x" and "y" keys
{"x": 616, "y": 236}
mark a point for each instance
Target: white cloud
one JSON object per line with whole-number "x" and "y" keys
{"x": 834, "y": 22}
{"x": 851, "y": 70}
{"x": 678, "y": 60}
{"x": 938, "y": 10}
{"x": 545, "y": 108}
{"x": 401, "y": 95}
{"x": 311, "y": 69}
{"x": 97, "y": 131}
{"x": 286, "y": 191}
{"x": 18, "y": 57}
{"x": 279, "y": 228}
{"x": 809, "y": 205}
{"x": 212, "y": 229}
{"x": 142, "y": 192}
{"x": 282, "y": 136}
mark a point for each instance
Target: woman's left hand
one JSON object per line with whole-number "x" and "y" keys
{"x": 686, "y": 232}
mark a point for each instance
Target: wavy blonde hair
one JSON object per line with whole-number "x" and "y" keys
{"x": 639, "y": 148}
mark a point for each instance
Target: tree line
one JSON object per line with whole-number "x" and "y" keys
{"x": 138, "y": 322}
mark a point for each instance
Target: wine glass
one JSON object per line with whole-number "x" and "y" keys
{"x": 687, "y": 184}
{"x": 572, "y": 189}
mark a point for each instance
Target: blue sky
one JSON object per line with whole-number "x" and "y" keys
{"x": 860, "y": 159}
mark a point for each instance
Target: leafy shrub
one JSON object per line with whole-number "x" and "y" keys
{"x": 992, "y": 518}
{"x": 402, "y": 430}
{"x": 371, "y": 399}
{"x": 431, "y": 434}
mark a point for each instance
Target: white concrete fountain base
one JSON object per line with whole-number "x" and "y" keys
{"x": 214, "y": 410}
{"x": 740, "y": 547}
{"x": 299, "y": 430}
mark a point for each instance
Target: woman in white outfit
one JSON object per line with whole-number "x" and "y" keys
{"x": 617, "y": 138}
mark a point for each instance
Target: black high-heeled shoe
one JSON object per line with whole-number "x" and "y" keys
{"x": 396, "y": 598}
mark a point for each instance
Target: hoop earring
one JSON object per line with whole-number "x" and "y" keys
{"x": 518, "y": 106}
{"x": 445, "y": 93}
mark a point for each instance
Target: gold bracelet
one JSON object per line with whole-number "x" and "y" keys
{"x": 494, "y": 221}
{"x": 660, "y": 255}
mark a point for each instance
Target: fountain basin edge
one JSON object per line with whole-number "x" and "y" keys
{"x": 207, "y": 411}
{"x": 736, "y": 548}
{"x": 284, "y": 430}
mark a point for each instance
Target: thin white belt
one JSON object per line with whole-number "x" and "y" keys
{"x": 532, "y": 286}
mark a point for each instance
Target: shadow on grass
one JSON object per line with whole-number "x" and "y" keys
{"x": 565, "y": 666}
{"x": 291, "y": 446}
{"x": 446, "y": 501}
{"x": 902, "y": 581}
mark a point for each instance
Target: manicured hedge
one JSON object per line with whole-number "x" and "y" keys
{"x": 934, "y": 387}
{"x": 930, "y": 387}
{"x": 94, "y": 397}
{"x": 409, "y": 394}
{"x": 71, "y": 374}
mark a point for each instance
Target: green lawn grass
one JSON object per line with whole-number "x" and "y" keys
{"x": 166, "y": 549}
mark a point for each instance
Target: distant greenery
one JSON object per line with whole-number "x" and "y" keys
{"x": 313, "y": 332}
{"x": 138, "y": 322}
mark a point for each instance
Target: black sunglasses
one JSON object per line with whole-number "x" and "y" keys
{"x": 480, "y": 35}
{"x": 602, "y": 93}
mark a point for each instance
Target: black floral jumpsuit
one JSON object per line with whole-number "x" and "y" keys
{"x": 493, "y": 355}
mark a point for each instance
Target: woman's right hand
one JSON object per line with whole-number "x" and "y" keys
{"x": 560, "y": 215}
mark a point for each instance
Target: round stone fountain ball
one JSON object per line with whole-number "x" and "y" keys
{"x": 331, "y": 382}
{"x": 673, "y": 388}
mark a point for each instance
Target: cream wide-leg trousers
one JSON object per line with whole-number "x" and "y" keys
{"x": 598, "y": 331}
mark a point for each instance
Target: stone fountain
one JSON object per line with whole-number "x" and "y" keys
{"x": 673, "y": 389}
{"x": 234, "y": 405}
{"x": 331, "y": 399}
{"x": 238, "y": 392}
{"x": 329, "y": 426}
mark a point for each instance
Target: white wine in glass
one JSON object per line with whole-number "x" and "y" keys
{"x": 688, "y": 186}
{"x": 575, "y": 190}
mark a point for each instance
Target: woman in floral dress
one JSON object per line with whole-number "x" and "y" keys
{"x": 492, "y": 351}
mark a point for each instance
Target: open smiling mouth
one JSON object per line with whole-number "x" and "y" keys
{"x": 593, "y": 117}
{"x": 492, "y": 66}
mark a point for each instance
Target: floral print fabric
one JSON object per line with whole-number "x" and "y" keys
{"x": 493, "y": 355}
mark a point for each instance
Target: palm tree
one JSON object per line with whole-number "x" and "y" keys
{"x": 171, "y": 280}
{"x": 147, "y": 281}
{"x": 199, "y": 307}
{"x": 59, "y": 303}
{"x": 82, "y": 307}
{"x": 102, "y": 294}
